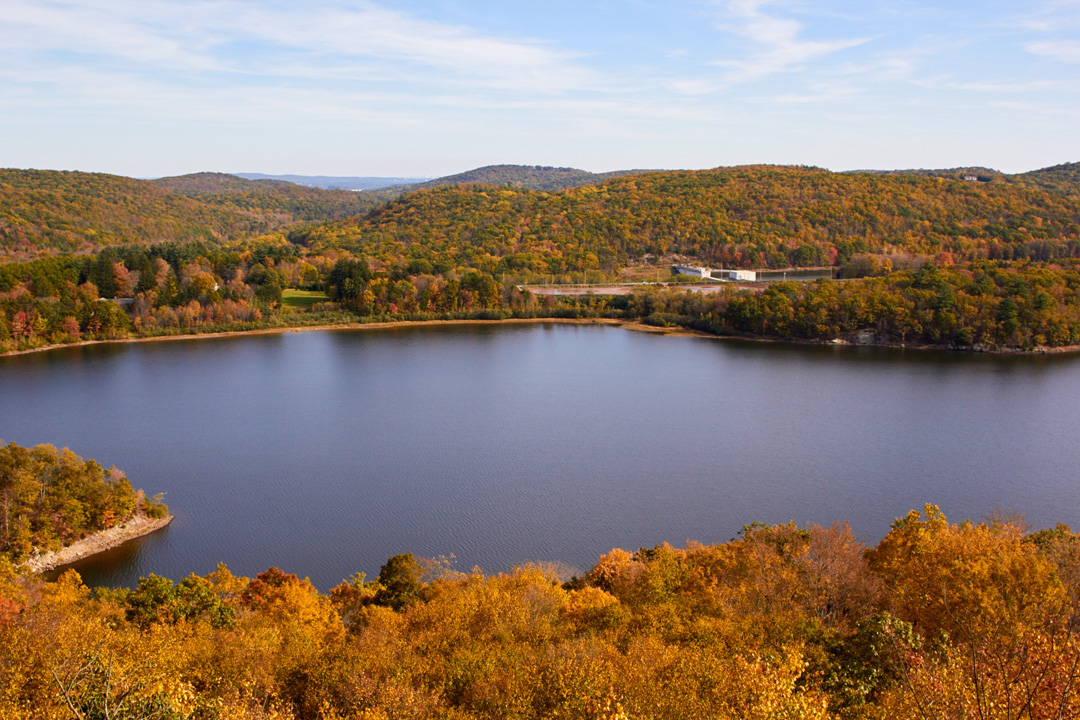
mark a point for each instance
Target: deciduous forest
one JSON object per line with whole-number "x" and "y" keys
{"x": 928, "y": 257}
{"x": 939, "y": 620}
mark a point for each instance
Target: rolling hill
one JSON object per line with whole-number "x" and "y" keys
{"x": 336, "y": 182}
{"x": 45, "y": 211}
{"x": 285, "y": 201}
{"x": 753, "y": 216}
{"x": 1063, "y": 178}
{"x": 526, "y": 177}
{"x": 561, "y": 219}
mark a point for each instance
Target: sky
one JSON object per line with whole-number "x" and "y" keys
{"x": 431, "y": 87}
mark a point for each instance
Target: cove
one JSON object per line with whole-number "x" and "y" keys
{"x": 326, "y": 452}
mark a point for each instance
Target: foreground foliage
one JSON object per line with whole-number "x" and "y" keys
{"x": 938, "y": 621}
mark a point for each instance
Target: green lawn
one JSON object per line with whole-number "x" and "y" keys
{"x": 302, "y": 299}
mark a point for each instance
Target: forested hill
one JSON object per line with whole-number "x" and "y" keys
{"x": 337, "y": 182}
{"x": 753, "y": 216}
{"x": 286, "y": 201}
{"x": 1063, "y": 178}
{"x": 43, "y": 211}
{"x": 528, "y": 177}
{"x": 981, "y": 174}
{"x": 213, "y": 183}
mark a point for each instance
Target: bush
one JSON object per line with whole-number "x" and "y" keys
{"x": 155, "y": 508}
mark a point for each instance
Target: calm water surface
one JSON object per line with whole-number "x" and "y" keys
{"x": 326, "y": 452}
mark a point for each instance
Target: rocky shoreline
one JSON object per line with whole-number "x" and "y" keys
{"x": 136, "y": 527}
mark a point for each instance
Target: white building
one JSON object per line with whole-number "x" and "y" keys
{"x": 691, "y": 271}
{"x": 741, "y": 275}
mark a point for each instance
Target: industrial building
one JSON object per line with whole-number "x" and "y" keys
{"x": 717, "y": 275}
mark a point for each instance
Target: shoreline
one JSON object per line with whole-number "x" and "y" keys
{"x": 632, "y": 325}
{"x": 389, "y": 324}
{"x": 137, "y": 527}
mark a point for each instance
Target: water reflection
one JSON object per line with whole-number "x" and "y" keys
{"x": 118, "y": 565}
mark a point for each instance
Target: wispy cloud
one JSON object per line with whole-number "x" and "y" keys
{"x": 371, "y": 31}
{"x": 349, "y": 79}
{"x": 1055, "y": 22}
{"x": 1038, "y": 110}
{"x": 995, "y": 87}
{"x": 776, "y": 42}
{"x": 233, "y": 36}
{"x": 1063, "y": 50}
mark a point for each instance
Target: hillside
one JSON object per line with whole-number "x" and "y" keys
{"x": 981, "y": 174}
{"x": 214, "y": 183}
{"x": 753, "y": 216}
{"x": 43, "y": 211}
{"x": 1063, "y": 178}
{"x": 526, "y": 177}
{"x": 286, "y": 201}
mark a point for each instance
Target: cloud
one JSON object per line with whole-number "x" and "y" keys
{"x": 776, "y": 42}
{"x": 103, "y": 29}
{"x": 995, "y": 86}
{"x": 267, "y": 39}
{"x": 1048, "y": 17}
{"x": 1039, "y": 110}
{"x": 367, "y": 30}
{"x": 1063, "y": 50}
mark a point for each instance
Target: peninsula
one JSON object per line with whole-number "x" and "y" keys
{"x": 98, "y": 542}
{"x": 58, "y": 508}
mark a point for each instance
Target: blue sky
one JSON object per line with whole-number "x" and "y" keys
{"x": 431, "y": 87}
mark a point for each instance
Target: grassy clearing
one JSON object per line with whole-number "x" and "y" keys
{"x": 646, "y": 273}
{"x": 302, "y": 299}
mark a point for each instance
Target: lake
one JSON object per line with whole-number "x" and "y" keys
{"x": 326, "y": 452}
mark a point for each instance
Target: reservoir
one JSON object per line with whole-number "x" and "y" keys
{"x": 326, "y": 452}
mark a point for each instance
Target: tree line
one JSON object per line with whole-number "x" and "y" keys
{"x": 987, "y": 305}
{"x": 174, "y": 288}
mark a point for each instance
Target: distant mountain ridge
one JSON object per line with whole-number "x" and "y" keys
{"x": 286, "y": 201}
{"x": 336, "y": 182}
{"x": 526, "y": 177}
